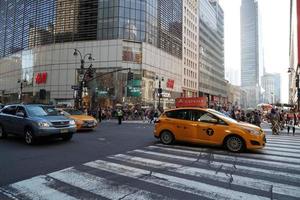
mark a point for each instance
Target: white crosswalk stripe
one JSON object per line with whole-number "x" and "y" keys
{"x": 270, "y": 173}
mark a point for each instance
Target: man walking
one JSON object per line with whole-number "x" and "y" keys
{"x": 292, "y": 123}
{"x": 120, "y": 116}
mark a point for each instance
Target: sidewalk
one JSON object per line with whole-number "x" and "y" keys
{"x": 127, "y": 121}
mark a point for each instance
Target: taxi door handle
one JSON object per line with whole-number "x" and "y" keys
{"x": 204, "y": 129}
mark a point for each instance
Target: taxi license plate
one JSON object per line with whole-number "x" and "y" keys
{"x": 64, "y": 131}
{"x": 90, "y": 125}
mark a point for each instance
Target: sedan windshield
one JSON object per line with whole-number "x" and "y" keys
{"x": 38, "y": 111}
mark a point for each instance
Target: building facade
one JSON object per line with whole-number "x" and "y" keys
{"x": 38, "y": 38}
{"x": 271, "y": 86}
{"x": 153, "y": 39}
{"x": 190, "y": 49}
{"x": 211, "y": 51}
{"x": 294, "y": 52}
{"x": 251, "y": 50}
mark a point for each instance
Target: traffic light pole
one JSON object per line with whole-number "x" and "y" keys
{"x": 159, "y": 92}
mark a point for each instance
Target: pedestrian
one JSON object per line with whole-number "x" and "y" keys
{"x": 243, "y": 117}
{"x": 257, "y": 120}
{"x": 119, "y": 115}
{"x": 274, "y": 118}
{"x": 292, "y": 124}
{"x": 99, "y": 114}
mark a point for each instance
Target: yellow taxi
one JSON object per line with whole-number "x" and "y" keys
{"x": 207, "y": 126}
{"x": 83, "y": 122}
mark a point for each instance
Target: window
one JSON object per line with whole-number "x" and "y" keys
{"x": 196, "y": 115}
{"x": 10, "y": 110}
{"x": 21, "y": 110}
{"x": 179, "y": 114}
{"x": 208, "y": 118}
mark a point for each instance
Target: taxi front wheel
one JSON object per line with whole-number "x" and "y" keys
{"x": 166, "y": 137}
{"x": 234, "y": 144}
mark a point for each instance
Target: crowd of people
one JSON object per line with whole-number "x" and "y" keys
{"x": 279, "y": 119}
{"x": 108, "y": 113}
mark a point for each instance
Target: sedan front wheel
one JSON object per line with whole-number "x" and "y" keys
{"x": 2, "y": 132}
{"x": 29, "y": 137}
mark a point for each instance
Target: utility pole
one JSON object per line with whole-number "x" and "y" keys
{"x": 82, "y": 75}
{"x": 159, "y": 91}
{"x": 21, "y": 89}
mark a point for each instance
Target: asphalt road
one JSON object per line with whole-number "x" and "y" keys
{"x": 126, "y": 162}
{"x": 19, "y": 161}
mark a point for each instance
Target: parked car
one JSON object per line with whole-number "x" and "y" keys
{"x": 208, "y": 126}
{"x": 83, "y": 122}
{"x": 34, "y": 121}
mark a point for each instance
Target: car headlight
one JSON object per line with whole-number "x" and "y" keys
{"x": 72, "y": 122}
{"x": 43, "y": 124}
{"x": 95, "y": 122}
{"x": 252, "y": 131}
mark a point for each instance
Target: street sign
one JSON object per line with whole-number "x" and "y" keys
{"x": 75, "y": 87}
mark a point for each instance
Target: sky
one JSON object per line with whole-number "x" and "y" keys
{"x": 275, "y": 16}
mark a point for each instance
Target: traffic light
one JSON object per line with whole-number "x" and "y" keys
{"x": 159, "y": 90}
{"x": 90, "y": 72}
{"x": 129, "y": 76}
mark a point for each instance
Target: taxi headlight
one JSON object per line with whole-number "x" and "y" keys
{"x": 252, "y": 131}
{"x": 72, "y": 122}
{"x": 43, "y": 124}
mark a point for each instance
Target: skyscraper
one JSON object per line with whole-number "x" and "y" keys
{"x": 271, "y": 85}
{"x": 251, "y": 51}
{"x": 211, "y": 51}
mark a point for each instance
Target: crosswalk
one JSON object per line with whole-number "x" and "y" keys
{"x": 175, "y": 172}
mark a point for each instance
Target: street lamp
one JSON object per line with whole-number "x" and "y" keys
{"x": 82, "y": 73}
{"x": 292, "y": 70}
{"x": 159, "y": 91}
{"x": 22, "y": 82}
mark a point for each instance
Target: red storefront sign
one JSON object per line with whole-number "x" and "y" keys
{"x": 41, "y": 78}
{"x": 191, "y": 102}
{"x": 170, "y": 83}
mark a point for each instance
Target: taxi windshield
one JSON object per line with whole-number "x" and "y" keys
{"x": 73, "y": 112}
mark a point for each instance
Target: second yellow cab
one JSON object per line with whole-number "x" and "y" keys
{"x": 208, "y": 126}
{"x": 83, "y": 122}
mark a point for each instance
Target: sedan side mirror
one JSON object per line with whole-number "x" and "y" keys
{"x": 20, "y": 114}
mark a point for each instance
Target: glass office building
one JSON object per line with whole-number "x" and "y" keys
{"x": 251, "y": 51}
{"x": 211, "y": 52}
{"x": 38, "y": 36}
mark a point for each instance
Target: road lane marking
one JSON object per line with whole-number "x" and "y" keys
{"x": 196, "y": 151}
{"x": 229, "y": 158}
{"x": 36, "y": 188}
{"x": 283, "y": 146}
{"x": 253, "y": 183}
{"x": 180, "y": 184}
{"x": 295, "y": 151}
{"x": 101, "y": 186}
{"x": 236, "y": 166}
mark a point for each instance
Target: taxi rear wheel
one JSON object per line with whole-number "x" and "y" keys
{"x": 234, "y": 144}
{"x": 166, "y": 137}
